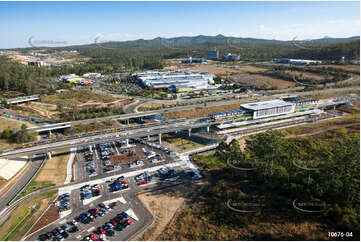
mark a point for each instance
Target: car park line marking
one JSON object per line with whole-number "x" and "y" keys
{"x": 120, "y": 199}
{"x": 87, "y": 201}
{"x": 91, "y": 229}
{"x": 131, "y": 213}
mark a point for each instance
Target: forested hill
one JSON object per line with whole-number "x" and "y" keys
{"x": 247, "y": 48}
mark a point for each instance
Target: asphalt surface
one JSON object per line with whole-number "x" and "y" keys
{"x": 14, "y": 190}
{"x": 145, "y": 218}
{"x": 73, "y": 141}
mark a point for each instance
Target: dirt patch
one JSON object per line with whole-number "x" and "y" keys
{"x": 13, "y": 124}
{"x": 123, "y": 159}
{"x": 55, "y": 169}
{"x": 48, "y": 217}
{"x": 200, "y": 112}
{"x": 273, "y": 82}
{"x": 306, "y": 75}
{"x": 341, "y": 67}
{"x": 242, "y": 143}
{"x": 163, "y": 207}
{"x": 218, "y": 69}
{"x": 328, "y": 95}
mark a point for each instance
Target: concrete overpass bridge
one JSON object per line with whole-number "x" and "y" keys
{"x": 22, "y": 99}
{"x": 124, "y": 135}
{"x": 56, "y": 126}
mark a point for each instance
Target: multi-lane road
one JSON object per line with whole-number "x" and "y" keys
{"x": 45, "y": 146}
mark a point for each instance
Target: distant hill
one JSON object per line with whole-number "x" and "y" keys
{"x": 204, "y": 41}
{"x": 326, "y": 48}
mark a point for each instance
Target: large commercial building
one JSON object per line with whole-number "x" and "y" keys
{"x": 75, "y": 79}
{"x": 193, "y": 60}
{"x": 176, "y": 81}
{"x": 213, "y": 55}
{"x": 268, "y": 108}
{"x": 296, "y": 61}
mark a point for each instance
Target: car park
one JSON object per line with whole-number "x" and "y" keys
{"x": 136, "y": 163}
{"x": 72, "y": 229}
{"x": 102, "y": 237}
{"x": 43, "y": 237}
{"x": 86, "y": 238}
{"x": 100, "y": 230}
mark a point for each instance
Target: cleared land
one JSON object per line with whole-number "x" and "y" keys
{"x": 349, "y": 122}
{"x": 78, "y": 97}
{"x": 271, "y": 82}
{"x": 329, "y": 95}
{"x": 341, "y": 67}
{"x": 55, "y": 169}
{"x": 164, "y": 205}
{"x": 121, "y": 159}
{"x": 245, "y": 74}
{"x": 306, "y": 74}
{"x": 179, "y": 143}
{"x": 25, "y": 215}
{"x": 56, "y": 105}
{"x": 200, "y": 112}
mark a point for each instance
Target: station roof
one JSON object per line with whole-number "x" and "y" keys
{"x": 266, "y": 105}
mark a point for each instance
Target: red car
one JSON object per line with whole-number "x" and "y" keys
{"x": 113, "y": 222}
{"x": 101, "y": 230}
{"x": 95, "y": 210}
{"x": 130, "y": 222}
{"x": 92, "y": 236}
{"x": 142, "y": 182}
{"x": 96, "y": 189}
{"x": 124, "y": 182}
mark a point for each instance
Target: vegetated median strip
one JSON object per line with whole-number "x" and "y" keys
{"x": 38, "y": 221}
{"x": 20, "y": 222}
{"x": 32, "y": 207}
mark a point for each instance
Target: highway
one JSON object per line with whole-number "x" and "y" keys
{"x": 137, "y": 131}
{"x": 231, "y": 99}
{"x": 191, "y": 104}
{"x": 15, "y": 189}
{"x": 91, "y": 138}
{"x": 35, "y": 165}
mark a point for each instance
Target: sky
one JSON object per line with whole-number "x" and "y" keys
{"x": 23, "y": 24}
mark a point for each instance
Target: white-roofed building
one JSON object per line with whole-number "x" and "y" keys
{"x": 176, "y": 80}
{"x": 268, "y": 108}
